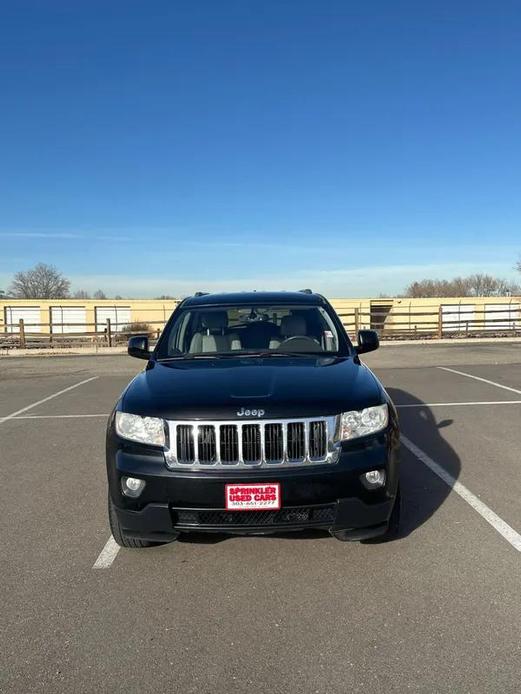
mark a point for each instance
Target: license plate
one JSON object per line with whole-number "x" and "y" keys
{"x": 264, "y": 496}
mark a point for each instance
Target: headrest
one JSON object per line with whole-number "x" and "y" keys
{"x": 292, "y": 325}
{"x": 215, "y": 320}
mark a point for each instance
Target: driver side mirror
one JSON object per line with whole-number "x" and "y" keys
{"x": 138, "y": 347}
{"x": 367, "y": 341}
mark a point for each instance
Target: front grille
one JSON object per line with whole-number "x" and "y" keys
{"x": 296, "y": 515}
{"x": 254, "y": 443}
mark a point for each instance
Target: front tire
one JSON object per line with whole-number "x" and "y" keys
{"x": 119, "y": 534}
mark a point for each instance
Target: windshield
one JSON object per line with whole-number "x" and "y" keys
{"x": 240, "y": 330}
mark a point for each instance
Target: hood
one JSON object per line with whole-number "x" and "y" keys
{"x": 220, "y": 388}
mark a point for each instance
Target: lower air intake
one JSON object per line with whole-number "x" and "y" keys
{"x": 296, "y": 515}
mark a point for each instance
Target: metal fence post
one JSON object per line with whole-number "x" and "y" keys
{"x": 109, "y": 333}
{"x": 50, "y": 325}
{"x": 22, "y": 333}
{"x": 357, "y": 320}
{"x": 440, "y": 321}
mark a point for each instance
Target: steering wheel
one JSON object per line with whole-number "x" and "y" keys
{"x": 300, "y": 343}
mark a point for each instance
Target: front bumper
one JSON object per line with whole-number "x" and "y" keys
{"x": 329, "y": 497}
{"x": 161, "y": 522}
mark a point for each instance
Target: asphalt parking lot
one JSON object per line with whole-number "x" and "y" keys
{"x": 436, "y": 610}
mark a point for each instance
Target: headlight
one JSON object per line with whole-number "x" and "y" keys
{"x": 149, "y": 430}
{"x": 362, "y": 422}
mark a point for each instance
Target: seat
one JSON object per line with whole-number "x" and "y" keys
{"x": 290, "y": 326}
{"x": 213, "y": 337}
{"x": 258, "y": 334}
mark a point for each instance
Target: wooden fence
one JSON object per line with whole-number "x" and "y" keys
{"x": 423, "y": 323}
{"x": 26, "y": 335}
{"x": 434, "y": 322}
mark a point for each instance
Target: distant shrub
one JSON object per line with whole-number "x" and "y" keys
{"x": 136, "y": 328}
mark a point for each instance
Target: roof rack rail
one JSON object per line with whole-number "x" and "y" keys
{"x": 201, "y": 293}
{"x": 305, "y": 291}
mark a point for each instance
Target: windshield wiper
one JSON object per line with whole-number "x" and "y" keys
{"x": 308, "y": 354}
{"x": 181, "y": 357}
{"x": 265, "y": 353}
{"x": 269, "y": 353}
{"x": 205, "y": 355}
{"x": 241, "y": 355}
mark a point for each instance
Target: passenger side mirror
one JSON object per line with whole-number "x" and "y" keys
{"x": 367, "y": 341}
{"x": 138, "y": 347}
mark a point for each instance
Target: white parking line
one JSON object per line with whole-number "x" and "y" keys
{"x": 478, "y": 378}
{"x": 107, "y": 554}
{"x": 455, "y": 404}
{"x": 510, "y": 535}
{"x": 49, "y": 397}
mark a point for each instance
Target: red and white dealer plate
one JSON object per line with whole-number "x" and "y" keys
{"x": 258, "y": 496}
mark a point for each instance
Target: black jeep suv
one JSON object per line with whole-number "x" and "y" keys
{"x": 253, "y": 414}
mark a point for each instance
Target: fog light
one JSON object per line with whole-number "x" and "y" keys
{"x": 374, "y": 479}
{"x": 132, "y": 486}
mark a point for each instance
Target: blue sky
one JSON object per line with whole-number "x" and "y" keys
{"x": 164, "y": 147}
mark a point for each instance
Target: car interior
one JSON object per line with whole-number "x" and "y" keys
{"x": 237, "y": 329}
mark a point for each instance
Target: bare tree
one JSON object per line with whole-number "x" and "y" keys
{"x": 483, "y": 285}
{"x": 460, "y": 286}
{"x": 437, "y": 288}
{"x": 506, "y": 288}
{"x": 474, "y": 285}
{"x": 486, "y": 285}
{"x": 99, "y": 294}
{"x": 41, "y": 282}
{"x": 81, "y": 294}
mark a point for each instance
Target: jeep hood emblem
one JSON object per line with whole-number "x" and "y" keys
{"x": 250, "y": 413}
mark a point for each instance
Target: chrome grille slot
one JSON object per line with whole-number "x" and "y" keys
{"x": 206, "y": 444}
{"x": 317, "y": 439}
{"x": 229, "y": 444}
{"x": 251, "y": 443}
{"x": 185, "y": 444}
{"x": 244, "y": 444}
{"x": 296, "y": 441}
{"x": 273, "y": 443}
